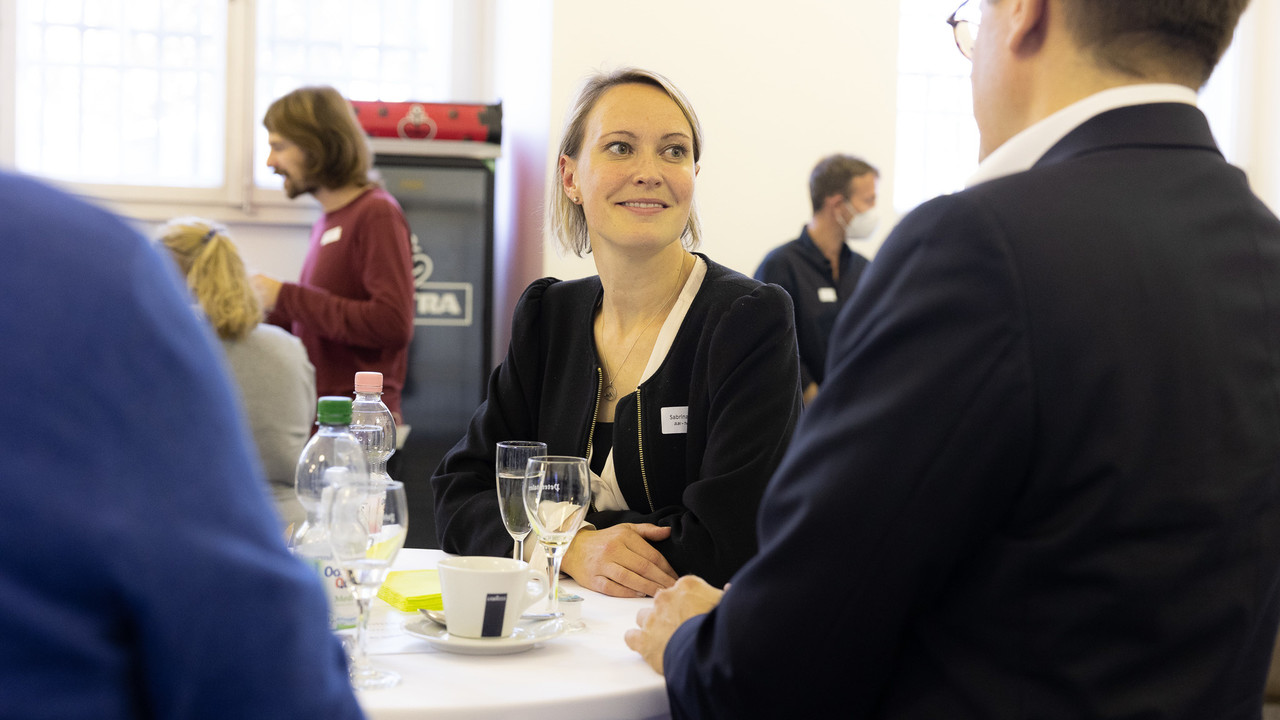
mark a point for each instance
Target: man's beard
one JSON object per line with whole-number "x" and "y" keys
{"x": 294, "y": 189}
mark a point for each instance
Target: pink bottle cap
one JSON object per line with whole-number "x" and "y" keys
{"x": 368, "y": 382}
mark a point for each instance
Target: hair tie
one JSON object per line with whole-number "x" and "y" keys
{"x": 208, "y": 236}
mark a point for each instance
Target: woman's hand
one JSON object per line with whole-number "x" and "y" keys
{"x": 619, "y": 560}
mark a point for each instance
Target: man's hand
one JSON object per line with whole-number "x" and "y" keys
{"x": 690, "y": 597}
{"x": 267, "y": 289}
{"x": 619, "y": 560}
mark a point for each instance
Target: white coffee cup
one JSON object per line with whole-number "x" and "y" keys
{"x": 484, "y": 596}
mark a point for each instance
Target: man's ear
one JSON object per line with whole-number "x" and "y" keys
{"x": 1029, "y": 24}
{"x": 831, "y": 207}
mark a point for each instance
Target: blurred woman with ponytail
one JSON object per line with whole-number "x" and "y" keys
{"x": 276, "y": 380}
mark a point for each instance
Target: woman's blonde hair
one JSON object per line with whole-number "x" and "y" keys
{"x": 215, "y": 273}
{"x": 566, "y": 220}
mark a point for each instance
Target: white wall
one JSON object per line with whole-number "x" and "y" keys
{"x": 522, "y": 79}
{"x": 274, "y": 250}
{"x": 1257, "y": 100}
{"x": 776, "y": 87}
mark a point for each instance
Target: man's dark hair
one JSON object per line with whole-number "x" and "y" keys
{"x": 832, "y": 175}
{"x": 321, "y": 122}
{"x": 1150, "y": 38}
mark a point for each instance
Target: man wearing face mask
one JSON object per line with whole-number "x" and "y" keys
{"x": 818, "y": 269}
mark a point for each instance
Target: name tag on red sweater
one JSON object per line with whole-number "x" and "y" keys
{"x": 332, "y": 235}
{"x": 675, "y": 420}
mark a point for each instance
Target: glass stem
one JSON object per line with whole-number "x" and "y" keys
{"x": 553, "y": 569}
{"x": 360, "y": 658}
{"x": 519, "y": 553}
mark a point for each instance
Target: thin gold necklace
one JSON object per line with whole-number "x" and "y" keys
{"x": 609, "y": 393}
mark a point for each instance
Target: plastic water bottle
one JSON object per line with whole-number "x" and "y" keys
{"x": 332, "y": 456}
{"x": 373, "y": 424}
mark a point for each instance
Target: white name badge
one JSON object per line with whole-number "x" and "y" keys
{"x": 332, "y": 235}
{"x": 675, "y": 420}
{"x": 827, "y": 294}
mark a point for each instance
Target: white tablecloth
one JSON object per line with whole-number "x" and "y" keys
{"x": 584, "y": 674}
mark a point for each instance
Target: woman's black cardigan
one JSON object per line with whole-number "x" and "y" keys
{"x": 733, "y": 364}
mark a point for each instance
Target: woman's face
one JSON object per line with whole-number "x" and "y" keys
{"x": 635, "y": 170}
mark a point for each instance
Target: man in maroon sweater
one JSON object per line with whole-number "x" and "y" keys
{"x": 352, "y": 306}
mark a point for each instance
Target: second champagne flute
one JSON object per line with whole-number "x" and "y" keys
{"x": 557, "y": 493}
{"x": 512, "y": 461}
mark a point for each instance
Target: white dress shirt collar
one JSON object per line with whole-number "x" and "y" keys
{"x": 1021, "y": 151}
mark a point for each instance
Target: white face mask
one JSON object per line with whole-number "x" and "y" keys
{"x": 862, "y": 224}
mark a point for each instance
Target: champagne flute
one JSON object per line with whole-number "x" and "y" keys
{"x": 557, "y": 493}
{"x": 513, "y": 460}
{"x": 367, "y": 521}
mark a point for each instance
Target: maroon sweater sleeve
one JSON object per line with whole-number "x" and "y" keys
{"x": 367, "y": 300}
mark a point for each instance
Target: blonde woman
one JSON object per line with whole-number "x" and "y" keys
{"x": 276, "y": 380}
{"x": 676, "y": 377}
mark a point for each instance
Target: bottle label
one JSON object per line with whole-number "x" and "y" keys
{"x": 342, "y": 604}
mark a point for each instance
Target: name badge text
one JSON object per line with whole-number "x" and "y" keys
{"x": 675, "y": 420}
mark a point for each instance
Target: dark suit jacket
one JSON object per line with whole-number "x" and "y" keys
{"x": 1043, "y": 478}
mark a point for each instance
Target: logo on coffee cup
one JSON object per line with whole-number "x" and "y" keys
{"x": 495, "y": 606}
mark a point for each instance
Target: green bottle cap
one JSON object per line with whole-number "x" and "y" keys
{"x": 333, "y": 410}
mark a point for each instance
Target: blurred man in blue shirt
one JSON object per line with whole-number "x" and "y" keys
{"x": 143, "y": 571}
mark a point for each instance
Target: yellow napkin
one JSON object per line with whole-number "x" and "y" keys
{"x": 412, "y": 590}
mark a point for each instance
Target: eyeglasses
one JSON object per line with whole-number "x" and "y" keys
{"x": 965, "y": 29}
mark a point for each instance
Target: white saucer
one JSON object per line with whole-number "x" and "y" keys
{"x": 526, "y": 635}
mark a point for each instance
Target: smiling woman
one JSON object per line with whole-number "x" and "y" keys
{"x": 676, "y": 377}
{"x": 634, "y": 176}
{"x": 567, "y": 222}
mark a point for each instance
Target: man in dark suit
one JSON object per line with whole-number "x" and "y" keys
{"x": 1043, "y": 477}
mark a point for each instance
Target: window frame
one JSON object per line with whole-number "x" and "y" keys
{"x": 909, "y": 188}
{"x": 239, "y": 199}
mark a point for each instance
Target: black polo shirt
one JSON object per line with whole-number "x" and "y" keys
{"x": 805, "y": 273}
